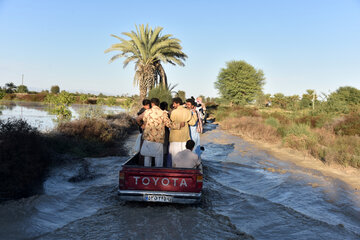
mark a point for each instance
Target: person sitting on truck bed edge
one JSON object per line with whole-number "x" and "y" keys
{"x": 146, "y": 105}
{"x": 186, "y": 158}
{"x": 178, "y": 137}
{"x": 155, "y": 121}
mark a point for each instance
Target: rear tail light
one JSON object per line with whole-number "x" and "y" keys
{"x": 121, "y": 176}
{"x": 199, "y": 178}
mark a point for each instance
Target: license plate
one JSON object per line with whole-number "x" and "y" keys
{"x": 158, "y": 198}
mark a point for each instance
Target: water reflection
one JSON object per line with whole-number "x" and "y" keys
{"x": 37, "y": 114}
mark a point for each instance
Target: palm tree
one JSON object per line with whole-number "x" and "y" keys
{"x": 10, "y": 87}
{"x": 148, "y": 49}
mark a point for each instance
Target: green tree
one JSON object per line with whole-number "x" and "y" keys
{"x": 55, "y": 89}
{"x": 292, "y": 102}
{"x": 309, "y": 99}
{"x": 148, "y": 49}
{"x": 22, "y": 89}
{"x": 10, "y": 87}
{"x": 347, "y": 95}
{"x": 181, "y": 94}
{"x": 239, "y": 82}
{"x": 278, "y": 100}
{"x": 59, "y": 104}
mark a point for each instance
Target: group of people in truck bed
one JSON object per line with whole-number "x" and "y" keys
{"x": 171, "y": 137}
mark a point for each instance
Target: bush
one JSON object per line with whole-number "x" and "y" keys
{"x": 106, "y": 131}
{"x": 313, "y": 121}
{"x": 83, "y": 99}
{"x": 252, "y": 127}
{"x": 91, "y": 112}
{"x": 282, "y": 118}
{"x": 273, "y": 122}
{"x": 349, "y": 126}
{"x": 24, "y": 159}
{"x": 111, "y": 101}
{"x": 89, "y": 129}
{"x": 100, "y": 101}
{"x": 9, "y": 96}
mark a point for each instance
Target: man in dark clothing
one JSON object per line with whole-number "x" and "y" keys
{"x": 146, "y": 105}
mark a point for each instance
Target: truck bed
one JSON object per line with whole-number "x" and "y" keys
{"x": 155, "y": 184}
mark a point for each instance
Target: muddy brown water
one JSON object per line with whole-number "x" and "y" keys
{"x": 247, "y": 194}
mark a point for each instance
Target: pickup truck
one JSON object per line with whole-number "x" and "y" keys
{"x": 159, "y": 184}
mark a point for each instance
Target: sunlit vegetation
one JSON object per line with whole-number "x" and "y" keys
{"x": 321, "y": 129}
{"x": 164, "y": 94}
{"x": 59, "y": 105}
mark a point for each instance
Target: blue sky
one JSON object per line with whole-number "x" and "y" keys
{"x": 308, "y": 44}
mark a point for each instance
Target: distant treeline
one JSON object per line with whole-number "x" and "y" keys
{"x": 11, "y": 92}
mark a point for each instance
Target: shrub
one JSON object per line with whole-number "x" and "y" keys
{"x": 282, "y": 118}
{"x": 273, "y": 122}
{"x": 91, "y": 112}
{"x": 24, "y": 159}
{"x": 298, "y": 130}
{"x": 252, "y": 127}
{"x": 9, "y": 96}
{"x": 83, "y": 98}
{"x": 349, "y": 126}
{"x": 299, "y": 136}
{"x": 89, "y": 129}
{"x": 106, "y": 131}
{"x": 100, "y": 101}
{"x": 111, "y": 101}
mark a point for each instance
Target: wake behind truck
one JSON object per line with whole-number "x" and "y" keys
{"x": 155, "y": 184}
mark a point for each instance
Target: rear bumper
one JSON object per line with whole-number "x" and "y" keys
{"x": 177, "y": 197}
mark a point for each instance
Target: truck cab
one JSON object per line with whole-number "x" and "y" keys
{"x": 159, "y": 184}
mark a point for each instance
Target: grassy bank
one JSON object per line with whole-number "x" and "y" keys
{"x": 26, "y": 154}
{"x": 330, "y": 137}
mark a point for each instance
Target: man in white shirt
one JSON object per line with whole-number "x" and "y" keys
{"x": 186, "y": 158}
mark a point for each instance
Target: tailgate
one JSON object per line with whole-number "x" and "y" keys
{"x": 161, "y": 179}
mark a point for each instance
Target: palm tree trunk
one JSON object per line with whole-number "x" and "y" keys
{"x": 162, "y": 74}
{"x": 143, "y": 90}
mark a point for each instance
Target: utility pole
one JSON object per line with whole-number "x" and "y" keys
{"x": 22, "y": 79}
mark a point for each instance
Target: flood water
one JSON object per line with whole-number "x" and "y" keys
{"x": 37, "y": 114}
{"x": 247, "y": 194}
